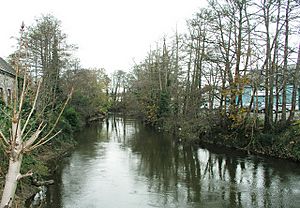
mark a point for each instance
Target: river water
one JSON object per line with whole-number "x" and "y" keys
{"x": 119, "y": 163}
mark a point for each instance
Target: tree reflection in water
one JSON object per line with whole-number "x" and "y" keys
{"x": 212, "y": 176}
{"x": 149, "y": 168}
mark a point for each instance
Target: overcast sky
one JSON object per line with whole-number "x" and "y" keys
{"x": 109, "y": 33}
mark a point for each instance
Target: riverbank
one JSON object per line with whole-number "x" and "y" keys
{"x": 280, "y": 142}
{"x": 42, "y": 162}
{"x": 243, "y": 134}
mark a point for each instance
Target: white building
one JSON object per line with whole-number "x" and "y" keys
{"x": 7, "y": 76}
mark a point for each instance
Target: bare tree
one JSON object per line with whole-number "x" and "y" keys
{"x": 295, "y": 87}
{"x": 22, "y": 139}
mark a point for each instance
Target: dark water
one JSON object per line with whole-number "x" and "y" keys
{"x": 119, "y": 164}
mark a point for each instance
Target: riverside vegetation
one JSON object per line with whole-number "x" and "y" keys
{"x": 190, "y": 84}
{"x": 193, "y": 84}
{"x": 39, "y": 113}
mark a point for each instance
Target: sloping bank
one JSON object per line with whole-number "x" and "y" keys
{"x": 280, "y": 142}
{"x": 42, "y": 163}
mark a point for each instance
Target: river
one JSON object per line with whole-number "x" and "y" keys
{"x": 119, "y": 163}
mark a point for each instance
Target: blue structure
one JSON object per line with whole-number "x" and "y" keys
{"x": 248, "y": 90}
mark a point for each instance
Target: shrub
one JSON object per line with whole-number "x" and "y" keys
{"x": 72, "y": 117}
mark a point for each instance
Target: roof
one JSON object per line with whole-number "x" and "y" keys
{"x": 6, "y": 68}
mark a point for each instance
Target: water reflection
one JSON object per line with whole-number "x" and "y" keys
{"x": 120, "y": 163}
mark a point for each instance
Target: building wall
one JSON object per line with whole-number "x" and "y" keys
{"x": 6, "y": 87}
{"x": 261, "y": 97}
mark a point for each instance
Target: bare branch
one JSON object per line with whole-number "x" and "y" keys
{"x": 61, "y": 112}
{"x": 42, "y": 142}
{"x": 20, "y": 176}
{"x": 16, "y": 87}
{"x": 4, "y": 138}
{"x": 34, "y": 137}
{"x": 32, "y": 109}
{"x": 23, "y": 93}
{"x": 28, "y": 144}
{"x": 8, "y": 116}
{"x": 25, "y": 136}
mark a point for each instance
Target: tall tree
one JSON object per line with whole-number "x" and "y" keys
{"x": 48, "y": 52}
{"x": 26, "y": 131}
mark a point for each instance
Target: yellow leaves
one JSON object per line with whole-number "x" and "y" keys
{"x": 226, "y": 92}
{"x": 245, "y": 80}
{"x": 151, "y": 112}
{"x": 237, "y": 87}
{"x": 238, "y": 117}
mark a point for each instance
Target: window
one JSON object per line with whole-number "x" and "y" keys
{"x": 1, "y": 94}
{"x": 8, "y": 96}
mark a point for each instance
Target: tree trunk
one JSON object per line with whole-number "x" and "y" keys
{"x": 11, "y": 181}
{"x": 15, "y": 161}
{"x": 188, "y": 85}
{"x": 295, "y": 87}
{"x": 285, "y": 65}
{"x": 267, "y": 123}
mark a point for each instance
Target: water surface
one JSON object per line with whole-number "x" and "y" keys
{"x": 119, "y": 163}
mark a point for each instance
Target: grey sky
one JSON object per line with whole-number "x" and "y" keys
{"x": 109, "y": 33}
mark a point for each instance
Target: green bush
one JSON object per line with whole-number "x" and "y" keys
{"x": 265, "y": 139}
{"x": 30, "y": 162}
{"x": 296, "y": 151}
{"x": 72, "y": 117}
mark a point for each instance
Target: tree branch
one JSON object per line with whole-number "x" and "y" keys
{"x": 8, "y": 116}
{"x": 20, "y": 176}
{"x": 23, "y": 93}
{"x": 42, "y": 142}
{"x": 34, "y": 136}
{"x": 60, "y": 114}
{"x": 4, "y": 138}
{"x": 32, "y": 109}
